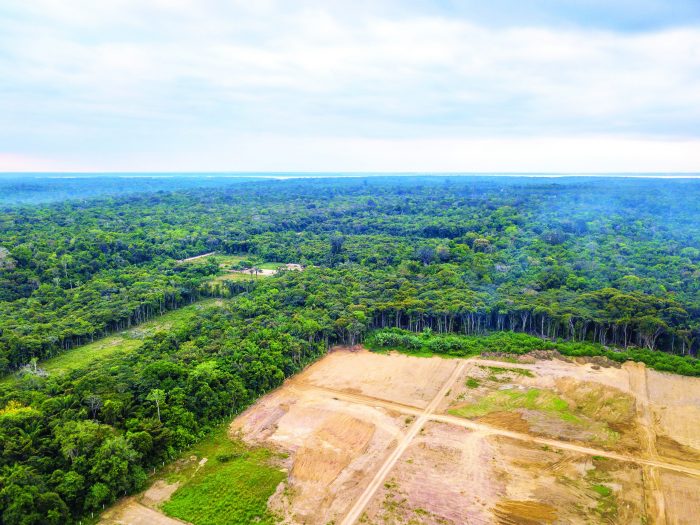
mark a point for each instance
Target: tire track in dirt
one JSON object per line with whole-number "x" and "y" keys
{"x": 654, "y": 496}
{"x": 361, "y": 503}
{"x": 489, "y": 430}
{"x": 357, "y": 398}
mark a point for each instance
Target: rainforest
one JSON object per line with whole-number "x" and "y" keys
{"x": 133, "y": 324}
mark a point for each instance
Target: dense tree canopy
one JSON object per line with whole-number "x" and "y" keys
{"x": 604, "y": 267}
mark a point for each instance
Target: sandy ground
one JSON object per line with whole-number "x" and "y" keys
{"x": 396, "y": 377}
{"x": 682, "y": 497}
{"x": 675, "y": 403}
{"x": 332, "y": 444}
{"x": 143, "y": 510}
{"x": 375, "y": 438}
{"x": 479, "y": 479}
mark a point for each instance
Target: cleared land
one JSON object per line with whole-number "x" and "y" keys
{"x": 229, "y": 264}
{"x": 361, "y": 437}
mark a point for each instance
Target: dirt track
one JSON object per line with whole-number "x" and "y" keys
{"x": 487, "y": 430}
{"x": 356, "y": 511}
{"x": 130, "y": 512}
{"x": 653, "y": 493}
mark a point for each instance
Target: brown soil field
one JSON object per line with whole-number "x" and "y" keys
{"x": 397, "y": 377}
{"x": 391, "y": 439}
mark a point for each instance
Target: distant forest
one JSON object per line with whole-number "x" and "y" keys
{"x": 613, "y": 261}
{"x": 598, "y": 266}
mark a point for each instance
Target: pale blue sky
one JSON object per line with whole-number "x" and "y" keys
{"x": 415, "y": 85}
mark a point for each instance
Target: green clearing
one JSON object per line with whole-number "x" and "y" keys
{"x": 269, "y": 265}
{"x": 125, "y": 341}
{"x": 225, "y": 261}
{"x": 236, "y": 276}
{"x": 231, "y": 488}
{"x": 506, "y": 400}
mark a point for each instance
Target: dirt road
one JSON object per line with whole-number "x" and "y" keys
{"x": 654, "y": 496}
{"x": 130, "y": 512}
{"x": 359, "y": 506}
{"x": 196, "y": 257}
{"x": 485, "y": 430}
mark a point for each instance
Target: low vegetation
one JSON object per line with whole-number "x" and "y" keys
{"x": 508, "y": 400}
{"x": 428, "y": 343}
{"x": 232, "y": 486}
{"x": 496, "y": 371}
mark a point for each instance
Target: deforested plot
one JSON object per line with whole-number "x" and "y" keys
{"x": 393, "y": 377}
{"x": 675, "y": 403}
{"x": 454, "y": 475}
{"x": 332, "y": 447}
{"x": 359, "y": 437}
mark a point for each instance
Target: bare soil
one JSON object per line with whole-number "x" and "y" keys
{"x": 130, "y": 512}
{"x": 395, "y": 377}
{"x": 333, "y": 447}
{"x": 159, "y": 492}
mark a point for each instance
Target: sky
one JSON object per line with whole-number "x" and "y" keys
{"x": 357, "y": 85}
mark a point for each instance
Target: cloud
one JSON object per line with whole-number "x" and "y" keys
{"x": 108, "y": 81}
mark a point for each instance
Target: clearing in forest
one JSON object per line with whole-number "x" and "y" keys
{"x": 361, "y": 437}
{"x": 239, "y": 267}
{"x": 124, "y": 341}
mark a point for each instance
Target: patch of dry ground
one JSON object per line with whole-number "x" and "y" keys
{"x": 391, "y": 439}
{"x": 333, "y": 447}
{"x": 394, "y": 377}
{"x": 675, "y": 407}
{"x": 129, "y": 511}
{"x": 454, "y": 476}
{"x": 159, "y": 492}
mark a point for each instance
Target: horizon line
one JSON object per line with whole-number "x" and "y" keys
{"x": 318, "y": 173}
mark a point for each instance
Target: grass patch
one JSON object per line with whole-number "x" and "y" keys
{"x": 237, "y": 276}
{"x": 269, "y": 266}
{"x": 606, "y": 506}
{"x": 602, "y": 490}
{"x": 231, "y": 488}
{"x": 472, "y": 383}
{"x": 506, "y": 400}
